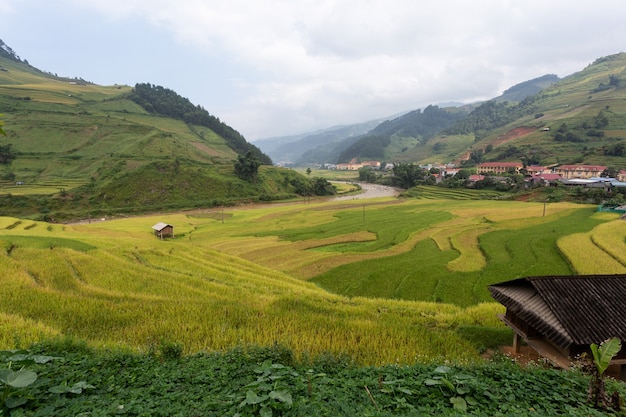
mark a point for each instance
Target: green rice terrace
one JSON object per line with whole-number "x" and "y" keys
{"x": 333, "y": 308}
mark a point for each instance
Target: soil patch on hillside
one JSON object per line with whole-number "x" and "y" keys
{"x": 513, "y": 134}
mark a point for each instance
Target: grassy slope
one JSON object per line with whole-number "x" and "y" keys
{"x": 238, "y": 276}
{"x": 67, "y": 129}
{"x": 569, "y": 101}
{"x": 68, "y": 133}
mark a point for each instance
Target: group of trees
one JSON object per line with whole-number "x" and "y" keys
{"x": 591, "y": 128}
{"x": 316, "y": 186}
{"x": 166, "y": 102}
{"x": 247, "y": 166}
{"x": 418, "y": 124}
{"x": 6, "y": 151}
{"x": 408, "y": 175}
{"x": 491, "y": 115}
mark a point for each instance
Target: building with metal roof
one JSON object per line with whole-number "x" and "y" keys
{"x": 560, "y": 316}
{"x": 163, "y": 230}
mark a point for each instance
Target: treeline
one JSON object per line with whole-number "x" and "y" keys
{"x": 166, "y": 102}
{"x": 7, "y": 52}
{"x": 491, "y": 115}
{"x": 422, "y": 125}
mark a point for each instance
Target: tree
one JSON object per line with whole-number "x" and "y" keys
{"x": 406, "y": 175}
{"x": 321, "y": 186}
{"x": 616, "y": 150}
{"x": 308, "y": 171}
{"x": 247, "y": 166}
{"x": 367, "y": 174}
{"x": 6, "y": 153}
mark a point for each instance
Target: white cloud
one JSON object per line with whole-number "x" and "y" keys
{"x": 302, "y": 64}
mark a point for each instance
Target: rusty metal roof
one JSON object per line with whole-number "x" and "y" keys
{"x": 579, "y": 310}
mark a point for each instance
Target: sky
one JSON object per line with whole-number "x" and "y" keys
{"x": 282, "y": 67}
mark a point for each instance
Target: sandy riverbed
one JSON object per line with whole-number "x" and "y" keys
{"x": 371, "y": 191}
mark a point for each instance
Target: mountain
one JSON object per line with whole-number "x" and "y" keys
{"x": 548, "y": 120}
{"x": 392, "y": 137}
{"x": 291, "y": 149}
{"x": 117, "y": 149}
{"x": 528, "y": 88}
{"x": 578, "y": 119}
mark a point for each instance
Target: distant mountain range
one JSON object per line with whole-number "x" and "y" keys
{"x": 386, "y": 138}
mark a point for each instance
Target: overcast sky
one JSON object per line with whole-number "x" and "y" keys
{"x": 280, "y": 67}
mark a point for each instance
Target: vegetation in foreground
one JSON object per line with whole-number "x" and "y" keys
{"x": 74, "y": 380}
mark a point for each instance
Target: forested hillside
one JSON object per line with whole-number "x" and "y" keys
{"x": 579, "y": 119}
{"x": 76, "y": 149}
{"x": 165, "y": 102}
{"x": 412, "y": 128}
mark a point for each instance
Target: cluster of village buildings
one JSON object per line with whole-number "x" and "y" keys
{"x": 585, "y": 175}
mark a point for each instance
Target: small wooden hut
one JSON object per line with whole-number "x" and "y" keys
{"x": 163, "y": 230}
{"x": 560, "y": 316}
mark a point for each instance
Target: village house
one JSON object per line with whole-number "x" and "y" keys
{"x": 579, "y": 171}
{"x": 536, "y": 170}
{"x": 498, "y": 167}
{"x": 544, "y": 179}
{"x": 373, "y": 164}
{"x": 353, "y": 165}
{"x": 621, "y": 176}
{"x": 475, "y": 178}
{"x": 163, "y": 230}
{"x": 349, "y": 167}
{"x": 560, "y": 316}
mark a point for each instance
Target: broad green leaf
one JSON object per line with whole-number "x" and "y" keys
{"x": 442, "y": 369}
{"x": 20, "y": 379}
{"x": 448, "y": 384}
{"x": 471, "y": 400}
{"x": 431, "y": 382}
{"x": 265, "y": 412}
{"x": 458, "y": 403}
{"x": 405, "y": 390}
{"x": 603, "y": 354}
{"x": 463, "y": 390}
{"x": 282, "y": 396}
{"x": 59, "y": 389}
{"x": 12, "y": 402}
{"x": 252, "y": 398}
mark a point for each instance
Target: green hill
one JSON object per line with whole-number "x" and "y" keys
{"x": 83, "y": 147}
{"x": 588, "y": 108}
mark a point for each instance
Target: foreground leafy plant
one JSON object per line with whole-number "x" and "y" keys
{"x": 270, "y": 392}
{"x": 602, "y": 356}
{"x": 14, "y": 383}
{"x": 12, "y": 395}
{"x": 453, "y": 385}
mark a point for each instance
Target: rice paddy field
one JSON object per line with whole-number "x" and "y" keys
{"x": 382, "y": 281}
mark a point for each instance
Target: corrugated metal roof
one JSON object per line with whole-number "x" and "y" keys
{"x": 569, "y": 310}
{"x": 160, "y": 226}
